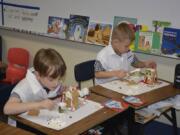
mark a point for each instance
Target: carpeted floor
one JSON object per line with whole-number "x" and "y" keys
{"x": 157, "y": 128}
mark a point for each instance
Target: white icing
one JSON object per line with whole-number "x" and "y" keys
{"x": 68, "y": 94}
{"x": 56, "y": 123}
{"x": 84, "y": 92}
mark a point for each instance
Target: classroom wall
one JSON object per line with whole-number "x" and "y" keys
{"x": 74, "y": 52}
{"x": 101, "y": 11}
{"x": 98, "y": 10}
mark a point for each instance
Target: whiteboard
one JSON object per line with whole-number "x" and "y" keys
{"x": 98, "y": 10}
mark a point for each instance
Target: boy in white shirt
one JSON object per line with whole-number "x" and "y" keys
{"x": 114, "y": 61}
{"x": 41, "y": 83}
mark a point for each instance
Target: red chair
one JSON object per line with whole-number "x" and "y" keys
{"x": 18, "y": 62}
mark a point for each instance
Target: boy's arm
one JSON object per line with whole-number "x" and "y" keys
{"x": 142, "y": 64}
{"x": 100, "y": 72}
{"x": 108, "y": 74}
{"x": 15, "y": 106}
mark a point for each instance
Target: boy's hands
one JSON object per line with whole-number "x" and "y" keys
{"x": 120, "y": 73}
{"x": 61, "y": 90}
{"x": 47, "y": 104}
{"x": 150, "y": 64}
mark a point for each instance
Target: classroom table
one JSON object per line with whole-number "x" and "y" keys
{"x": 148, "y": 99}
{"x": 10, "y": 130}
{"x": 79, "y": 127}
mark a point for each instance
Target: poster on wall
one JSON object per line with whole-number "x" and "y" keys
{"x": 99, "y": 33}
{"x": 57, "y": 27}
{"x": 78, "y": 26}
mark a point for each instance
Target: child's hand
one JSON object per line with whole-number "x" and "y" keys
{"x": 120, "y": 73}
{"x": 47, "y": 104}
{"x": 61, "y": 90}
{"x": 58, "y": 99}
{"x": 150, "y": 64}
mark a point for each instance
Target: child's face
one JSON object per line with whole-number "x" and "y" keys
{"x": 48, "y": 82}
{"x": 121, "y": 47}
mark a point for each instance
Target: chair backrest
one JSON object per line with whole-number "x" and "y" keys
{"x": 18, "y": 62}
{"x": 18, "y": 56}
{"x": 84, "y": 71}
{"x": 0, "y": 48}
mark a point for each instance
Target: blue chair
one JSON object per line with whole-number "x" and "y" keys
{"x": 0, "y": 48}
{"x": 2, "y": 65}
{"x": 84, "y": 71}
{"x": 5, "y": 91}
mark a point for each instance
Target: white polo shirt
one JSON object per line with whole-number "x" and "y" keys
{"x": 29, "y": 89}
{"x": 110, "y": 61}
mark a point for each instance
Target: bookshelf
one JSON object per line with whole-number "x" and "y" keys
{"x": 159, "y": 55}
{"x": 53, "y": 37}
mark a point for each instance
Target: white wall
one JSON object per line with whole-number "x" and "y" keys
{"x": 98, "y": 10}
{"x": 72, "y": 52}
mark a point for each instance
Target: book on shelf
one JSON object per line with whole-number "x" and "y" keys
{"x": 99, "y": 33}
{"x": 159, "y": 25}
{"x": 147, "y": 41}
{"x": 171, "y": 42}
{"x": 57, "y": 27}
{"x": 142, "y": 27}
{"x": 78, "y": 26}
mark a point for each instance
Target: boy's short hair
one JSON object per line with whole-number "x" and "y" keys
{"x": 48, "y": 62}
{"x": 123, "y": 31}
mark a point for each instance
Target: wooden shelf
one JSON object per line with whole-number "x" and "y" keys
{"x": 142, "y": 119}
{"x": 53, "y": 37}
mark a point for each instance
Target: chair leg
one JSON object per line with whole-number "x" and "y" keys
{"x": 111, "y": 128}
{"x": 140, "y": 129}
{"x": 174, "y": 121}
{"x": 93, "y": 82}
{"x": 131, "y": 121}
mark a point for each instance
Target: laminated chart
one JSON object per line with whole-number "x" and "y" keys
{"x": 19, "y": 16}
